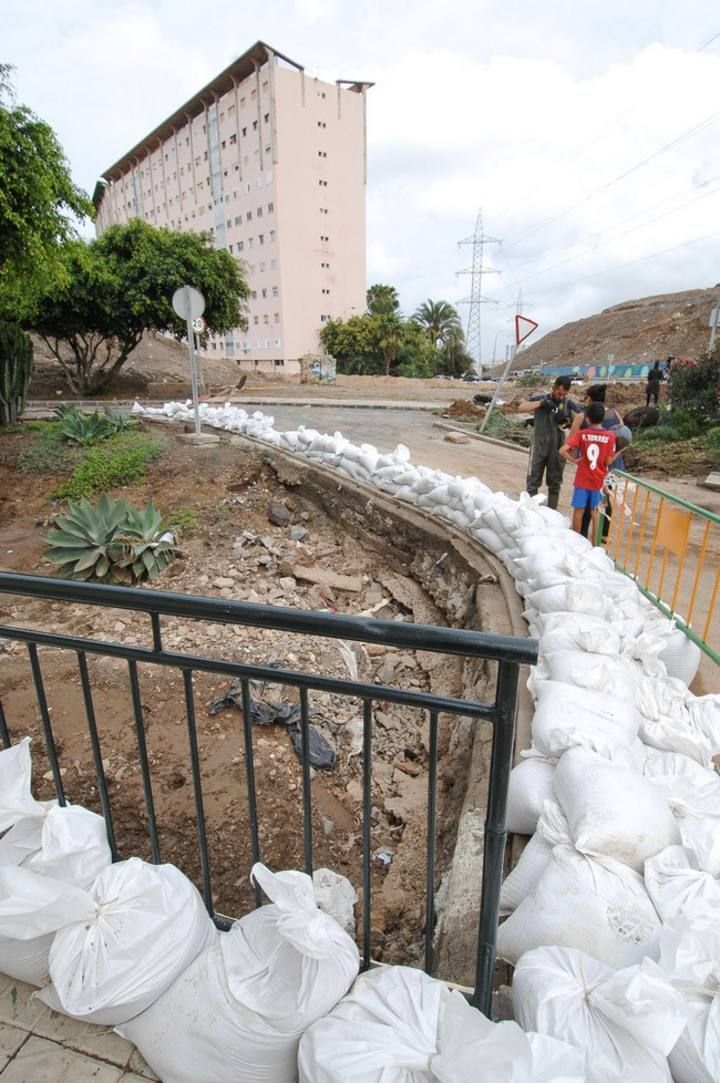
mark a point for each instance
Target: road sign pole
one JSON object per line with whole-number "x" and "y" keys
{"x": 193, "y": 370}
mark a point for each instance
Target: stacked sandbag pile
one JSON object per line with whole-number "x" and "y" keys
{"x": 618, "y": 787}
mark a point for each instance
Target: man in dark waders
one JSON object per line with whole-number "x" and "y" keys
{"x": 552, "y": 415}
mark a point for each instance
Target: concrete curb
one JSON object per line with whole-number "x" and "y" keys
{"x": 479, "y": 436}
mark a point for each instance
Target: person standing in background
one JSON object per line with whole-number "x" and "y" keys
{"x": 652, "y": 390}
{"x": 593, "y": 451}
{"x": 552, "y": 416}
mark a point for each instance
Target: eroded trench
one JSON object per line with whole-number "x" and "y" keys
{"x": 408, "y": 567}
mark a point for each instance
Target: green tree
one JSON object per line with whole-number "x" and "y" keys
{"x": 416, "y": 356}
{"x": 389, "y": 338}
{"x": 439, "y": 320}
{"x": 113, "y": 289}
{"x": 695, "y": 388}
{"x": 38, "y": 200}
{"x": 382, "y": 300}
{"x": 353, "y": 344}
{"x": 454, "y": 358}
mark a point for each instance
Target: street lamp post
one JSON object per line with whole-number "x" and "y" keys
{"x": 497, "y": 336}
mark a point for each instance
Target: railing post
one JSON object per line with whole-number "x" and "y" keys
{"x": 495, "y": 832}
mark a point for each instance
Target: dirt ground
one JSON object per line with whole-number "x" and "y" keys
{"x": 236, "y": 552}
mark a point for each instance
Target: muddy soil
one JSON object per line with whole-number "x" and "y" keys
{"x": 236, "y": 552}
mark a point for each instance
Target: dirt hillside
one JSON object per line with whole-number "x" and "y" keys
{"x": 666, "y": 325}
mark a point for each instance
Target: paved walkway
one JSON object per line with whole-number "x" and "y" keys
{"x": 39, "y": 1046}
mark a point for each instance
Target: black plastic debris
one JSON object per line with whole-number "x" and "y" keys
{"x": 266, "y": 713}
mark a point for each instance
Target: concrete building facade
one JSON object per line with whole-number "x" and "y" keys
{"x": 272, "y": 162}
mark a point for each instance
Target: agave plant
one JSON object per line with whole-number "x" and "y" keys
{"x": 84, "y": 429}
{"x": 81, "y": 541}
{"x": 142, "y": 548}
{"x": 120, "y": 422}
{"x": 110, "y": 540}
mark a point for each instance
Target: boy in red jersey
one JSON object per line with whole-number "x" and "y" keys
{"x": 593, "y": 451}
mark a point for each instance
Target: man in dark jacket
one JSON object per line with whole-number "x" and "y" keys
{"x": 553, "y": 414}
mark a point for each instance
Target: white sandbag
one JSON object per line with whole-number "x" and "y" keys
{"x": 674, "y": 882}
{"x": 667, "y": 723}
{"x": 569, "y": 717}
{"x": 689, "y": 788}
{"x": 16, "y": 799}
{"x": 593, "y": 634}
{"x": 238, "y": 1012}
{"x": 141, "y": 927}
{"x": 68, "y": 843}
{"x": 612, "y": 811}
{"x": 701, "y": 835}
{"x": 689, "y": 954}
{"x": 598, "y": 906}
{"x": 574, "y": 595}
{"x": 626, "y": 1021}
{"x": 531, "y": 784}
{"x": 612, "y": 676}
{"x": 681, "y": 656}
{"x": 397, "y": 1025}
{"x": 552, "y": 830}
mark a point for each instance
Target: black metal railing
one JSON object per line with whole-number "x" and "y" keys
{"x": 509, "y": 653}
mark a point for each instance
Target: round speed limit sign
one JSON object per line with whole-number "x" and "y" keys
{"x": 198, "y": 325}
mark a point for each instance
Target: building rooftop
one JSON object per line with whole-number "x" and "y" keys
{"x": 240, "y": 69}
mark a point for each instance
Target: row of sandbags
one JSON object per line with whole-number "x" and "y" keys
{"x": 620, "y": 796}
{"x": 130, "y": 945}
{"x": 612, "y": 706}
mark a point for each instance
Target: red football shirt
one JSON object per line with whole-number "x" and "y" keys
{"x": 595, "y": 446}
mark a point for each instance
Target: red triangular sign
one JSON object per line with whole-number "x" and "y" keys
{"x": 523, "y": 328}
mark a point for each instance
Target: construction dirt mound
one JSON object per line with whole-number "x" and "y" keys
{"x": 635, "y": 332}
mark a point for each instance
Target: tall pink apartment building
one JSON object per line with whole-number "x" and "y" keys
{"x": 272, "y": 162}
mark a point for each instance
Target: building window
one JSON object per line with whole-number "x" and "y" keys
{"x": 256, "y": 321}
{"x": 263, "y": 293}
{"x": 261, "y": 238}
{"x": 276, "y": 317}
{"x": 272, "y": 234}
{"x": 229, "y": 223}
{"x": 251, "y": 242}
{"x": 266, "y": 118}
{"x": 248, "y": 216}
{"x": 233, "y": 138}
{"x": 254, "y": 295}
{"x": 223, "y": 144}
{"x": 273, "y": 265}
{"x": 230, "y": 248}
{"x": 271, "y": 208}
{"x": 238, "y": 219}
{"x": 259, "y": 212}
{"x": 266, "y": 318}
{"x": 254, "y": 122}
{"x": 276, "y": 363}
{"x": 241, "y": 246}
{"x": 275, "y": 291}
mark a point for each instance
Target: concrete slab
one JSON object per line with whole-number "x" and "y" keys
{"x": 11, "y": 1038}
{"x": 201, "y": 439}
{"x": 85, "y": 1038}
{"x": 19, "y": 1009}
{"x": 41, "y": 1061}
{"x": 712, "y": 481}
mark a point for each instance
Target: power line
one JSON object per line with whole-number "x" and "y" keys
{"x": 688, "y": 134}
{"x": 624, "y": 233}
{"x": 629, "y": 263}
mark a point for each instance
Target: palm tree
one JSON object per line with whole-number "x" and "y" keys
{"x": 382, "y": 300}
{"x": 440, "y": 321}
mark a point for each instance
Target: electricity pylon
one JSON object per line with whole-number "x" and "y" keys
{"x": 473, "y": 334}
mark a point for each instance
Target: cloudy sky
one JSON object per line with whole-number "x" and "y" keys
{"x": 587, "y": 131}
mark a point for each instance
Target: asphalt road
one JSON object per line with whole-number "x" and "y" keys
{"x": 499, "y": 467}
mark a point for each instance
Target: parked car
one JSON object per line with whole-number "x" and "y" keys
{"x": 471, "y": 378}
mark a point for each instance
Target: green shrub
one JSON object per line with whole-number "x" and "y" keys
{"x": 184, "y": 520}
{"x": 109, "y": 540}
{"x": 120, "y": 461}
{"x": 695, "y": 388}
{"x": 712, "y": 445}
{"x": 47, "y": 453}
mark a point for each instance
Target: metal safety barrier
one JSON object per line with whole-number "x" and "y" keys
{"x": 508, "y": 652}
{"x": 671, "y": 548}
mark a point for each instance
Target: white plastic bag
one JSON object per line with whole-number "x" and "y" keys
{"x": 238, "y": 1011}
{"x": 612, "y": 811}
{"x": 531, "y": 784}
{"x": 68, "y": 844}
{"x": 132, "y": 935}
{"x": 674, "y": 882}
{"x": 598, "y": 906}
{"x": 626, "y": 1021}
{"x": 569, "y": 717}
{"x": 16, "y": 799}
{"x": 681, "y": 656}
{"x": 552, "y": 830}
{"x": 397, "y": 1025}
{"x": 336, "y": 896}
{"x": 690, "y": 956}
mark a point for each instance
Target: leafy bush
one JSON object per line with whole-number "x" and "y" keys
{"x": 184, "y": 520}
{"x": 531, "y": 379}
{"x": 712, "y": 444}
{"x": 47, "y": 453}
{"x": 120, "y": 461}
{"x": 695, "y": 388}
{"x": 109, "y": 541}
